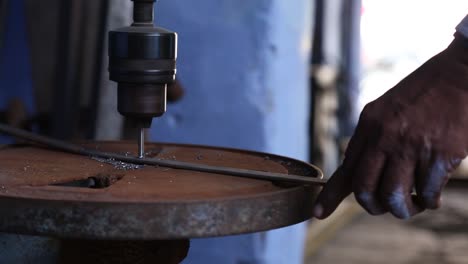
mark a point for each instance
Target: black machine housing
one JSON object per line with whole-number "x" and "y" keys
{"x": 142, "y": 60}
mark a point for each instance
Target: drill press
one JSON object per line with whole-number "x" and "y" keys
{"x": 142, "y": 60}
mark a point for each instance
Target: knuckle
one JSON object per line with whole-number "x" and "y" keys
{"x": 396, "y": 203}
{"x": 369, "y": 202}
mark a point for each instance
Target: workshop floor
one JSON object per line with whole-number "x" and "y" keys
{"x": 434, "y": 237}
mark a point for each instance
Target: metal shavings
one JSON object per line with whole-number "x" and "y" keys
{"x": 120, "y": 165}
{"x": 153, "y": 152}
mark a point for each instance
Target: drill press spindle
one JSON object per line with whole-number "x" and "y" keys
{"x": 142, "y": 60}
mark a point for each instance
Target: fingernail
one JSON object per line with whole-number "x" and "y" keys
{"x": 318, "y": 211}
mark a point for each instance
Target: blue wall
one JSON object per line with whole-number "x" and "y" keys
{"x": 15, "y": 67}
{"x": 244, "y": 65}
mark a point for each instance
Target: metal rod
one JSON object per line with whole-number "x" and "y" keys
{"x": 141, "y": 143}
{"x": 71, "y": 148}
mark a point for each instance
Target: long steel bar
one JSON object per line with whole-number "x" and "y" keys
{"x": 72, "y": 148}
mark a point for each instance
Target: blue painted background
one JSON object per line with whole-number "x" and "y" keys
{"x": 15, "y": 65}
{"x": 244, "y": 65}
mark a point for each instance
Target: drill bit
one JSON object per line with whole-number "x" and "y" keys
{"x": 141, "y": 143}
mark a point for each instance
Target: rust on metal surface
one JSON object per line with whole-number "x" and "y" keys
{"x": 65, "y": 195}
{"x": 125, "y": 160}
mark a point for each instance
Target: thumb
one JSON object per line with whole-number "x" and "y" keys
{"x": 333, "y": 193}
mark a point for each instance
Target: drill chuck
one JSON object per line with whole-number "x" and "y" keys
{"x": 142, "y": 60}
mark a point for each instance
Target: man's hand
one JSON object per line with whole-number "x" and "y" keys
{"x": 407, "y": 141}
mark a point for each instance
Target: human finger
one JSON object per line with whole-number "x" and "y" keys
{"x": 339, "y": 186}
{"x": 431, "y": 177}
{"x": 396, "y": 187}
{"x": 335, "y": 190}
{"x": 366, "y": 181}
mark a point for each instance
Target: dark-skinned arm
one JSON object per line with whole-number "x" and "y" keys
{"x": 408, "y": 141}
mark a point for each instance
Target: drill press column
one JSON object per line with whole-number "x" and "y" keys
{"x": 142, "y": 60}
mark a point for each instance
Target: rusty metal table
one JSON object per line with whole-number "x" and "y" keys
{"x": 44, "y": 192}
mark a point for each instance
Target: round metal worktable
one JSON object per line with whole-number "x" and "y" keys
{"x": 64, "y": 195}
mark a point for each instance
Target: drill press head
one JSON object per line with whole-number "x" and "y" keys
{"x": 142, "y": 60}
